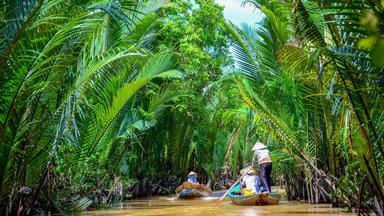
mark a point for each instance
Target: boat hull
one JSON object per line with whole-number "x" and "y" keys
{"x": 254, "y": 199}
{"x": 191, "y": 194}
{"x": 189, "y": 191}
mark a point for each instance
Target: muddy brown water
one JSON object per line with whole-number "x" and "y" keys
{"x": 212, "y": 207}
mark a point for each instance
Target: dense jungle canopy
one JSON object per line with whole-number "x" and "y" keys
{"x": 102, "y": 100}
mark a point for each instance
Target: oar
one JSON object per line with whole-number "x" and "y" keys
{"x": 221, "y": 198}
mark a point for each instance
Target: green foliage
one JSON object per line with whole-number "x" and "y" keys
{"x": 72, "y": 74}
{"x": 312, "y": 77}
{"x": 94, "y": 105}
{"x": 105, "y": 100}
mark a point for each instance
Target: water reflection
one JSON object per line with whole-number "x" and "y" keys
{"x": 211, "y": 207}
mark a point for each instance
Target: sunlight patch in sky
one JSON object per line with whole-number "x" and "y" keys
{"x": 238, "y": 14}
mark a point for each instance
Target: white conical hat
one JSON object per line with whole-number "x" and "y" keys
{"x": 258, "y": 146}
{"x": 192, "y": 173}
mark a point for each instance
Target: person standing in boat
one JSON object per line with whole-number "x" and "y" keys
{"x": 262, "y": 160}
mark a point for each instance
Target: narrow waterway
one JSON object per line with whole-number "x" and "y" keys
{"x": 211, "y": 207}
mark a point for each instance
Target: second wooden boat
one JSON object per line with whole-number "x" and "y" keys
{"x": 189, "y": 191}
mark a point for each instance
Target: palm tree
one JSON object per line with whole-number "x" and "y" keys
{"x": 69, "y": 72}
{"x": 306, "y": 79}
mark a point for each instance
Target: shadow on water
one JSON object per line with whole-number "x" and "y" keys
{"x": 211, "y": 207}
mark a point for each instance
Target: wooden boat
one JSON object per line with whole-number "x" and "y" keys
{"x": 254, "y": 199}
{"x": 189, "y": 191}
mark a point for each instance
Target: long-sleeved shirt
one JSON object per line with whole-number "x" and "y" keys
{"x": 261, "y": 156}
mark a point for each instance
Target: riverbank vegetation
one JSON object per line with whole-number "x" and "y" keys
{"x": 106, "y": 100}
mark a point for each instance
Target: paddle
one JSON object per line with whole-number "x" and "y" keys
{"x": 221, "y": 198}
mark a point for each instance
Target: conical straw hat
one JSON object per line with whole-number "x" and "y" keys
{"x": 192, "y": 173}
{"x": 248, "y": 170}
{"x": 258, "y": 146}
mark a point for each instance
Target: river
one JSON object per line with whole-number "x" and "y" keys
{"x": 211, "y": 207}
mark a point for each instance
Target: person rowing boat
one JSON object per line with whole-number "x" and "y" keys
{"x": 192, "y": 177}
{"x": 191, "y": 188}
{"x": 250, "y": 183}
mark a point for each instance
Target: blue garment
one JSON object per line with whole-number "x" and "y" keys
{"x": 192, "y": 179}
{"x": 257, "y": 183}
{"x": 265, "y": 173}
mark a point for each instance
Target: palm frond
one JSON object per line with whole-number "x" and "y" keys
{"x": 160, "y": 65}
